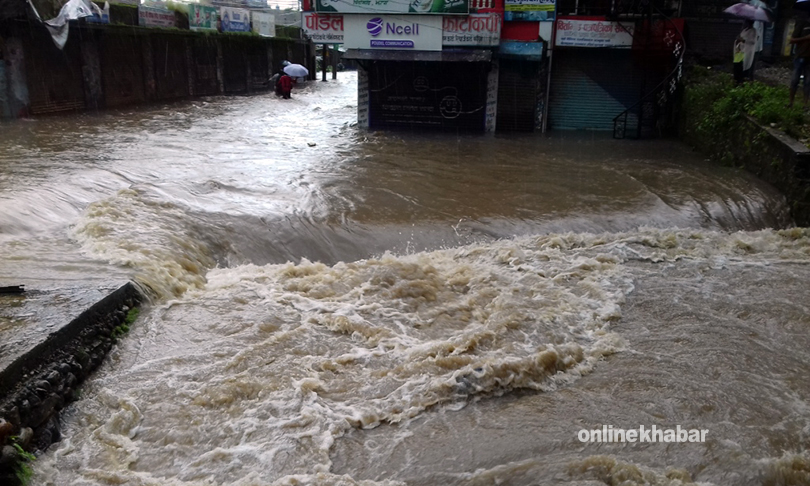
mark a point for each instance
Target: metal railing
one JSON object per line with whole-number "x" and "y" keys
{"x": 656, "y": 106}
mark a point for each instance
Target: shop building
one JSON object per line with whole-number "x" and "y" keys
{"x": 429, "y": 65}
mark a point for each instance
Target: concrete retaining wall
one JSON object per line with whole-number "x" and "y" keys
{"x": 770, "y": 154}
{"x": 111, "y": 65}
{"x": 39, "y": 383}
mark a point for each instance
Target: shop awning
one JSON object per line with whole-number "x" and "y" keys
{"x": 456, "y": 55}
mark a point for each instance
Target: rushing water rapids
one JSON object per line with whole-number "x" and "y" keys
{"x": 342, "y": 307}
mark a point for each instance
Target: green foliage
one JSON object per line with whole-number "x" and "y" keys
{"x": 24, "y": 473}
{"x": 23, "y": 469}
{"x": 288, "y": 32}
{"x": 132, "y": 315}
{"x": 25, "y": 455}
{"x": 177, "y": 7}
{"x": 128, "y": 320}
{"x": 716, "y": 106}
{"x": 119, "y": 331}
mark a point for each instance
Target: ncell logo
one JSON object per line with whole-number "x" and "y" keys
{"x": 374, "y": 26}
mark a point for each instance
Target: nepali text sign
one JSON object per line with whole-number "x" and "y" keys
{"x": 593, "y": 33}
{"x": 264, "y": 24}
{"x": 472, "y": 30}
{"x": 529, "y": 10}
{"x": 201, "y": 17}
{"x": 396, "y": 32}
{"x": 436, "y": 7}
{"x": 529, "y": 5}
{"x": 155, "y": 17}
{"x": 323, "y": 28}
{"x": 234, "y": 19}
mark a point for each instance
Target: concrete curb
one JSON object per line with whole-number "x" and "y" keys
{"x": 38, "y": 384}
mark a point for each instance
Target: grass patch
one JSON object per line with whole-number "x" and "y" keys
{"x": 132, "y": 315}
{"x": 119, "y": 331}
{"x": 23, "y": 469}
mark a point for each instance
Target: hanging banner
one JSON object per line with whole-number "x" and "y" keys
{"x": 234, "y": 19}
{"x": 593, "y": 33}
{"x": 323, "y": 28}
{"x": 201, "y": 17}
{"x": 416, "y": 33}
{"x": 264, "y": 24}
{"x": 472, "y": 30}
{"x": 435, "y": 7}
{"x": 155, "y": 17}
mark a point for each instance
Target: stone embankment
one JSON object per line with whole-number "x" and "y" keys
{"x": 722, "y": 130}
{"x": 38, "y": 384}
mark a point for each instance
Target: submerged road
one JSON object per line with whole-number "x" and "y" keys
{"x": 338, "y": 306}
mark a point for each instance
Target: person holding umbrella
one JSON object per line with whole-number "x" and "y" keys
{"x": 285, "y": 84}
{"x": 745, "y": 44}
{"x": 748, "y": 40}
{"x": 289, "y": 72}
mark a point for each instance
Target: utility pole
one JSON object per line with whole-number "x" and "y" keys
{"x": 324, "y": 56}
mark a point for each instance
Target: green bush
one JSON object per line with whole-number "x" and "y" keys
{"x": 717, "y": 104}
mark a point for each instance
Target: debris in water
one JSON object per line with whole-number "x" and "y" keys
{"x": 13, "y": 289}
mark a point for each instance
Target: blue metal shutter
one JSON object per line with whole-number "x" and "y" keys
{"x": 589, "y": 87}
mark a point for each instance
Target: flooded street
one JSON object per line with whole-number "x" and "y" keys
{"x": 335, "y": 306}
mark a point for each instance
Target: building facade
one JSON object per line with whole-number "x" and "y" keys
{"x": 505, "y": 65}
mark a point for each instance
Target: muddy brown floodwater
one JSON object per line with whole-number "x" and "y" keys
{"x": 336, "y": 306}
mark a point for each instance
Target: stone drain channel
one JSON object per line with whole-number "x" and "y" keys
{"x": 39, "y": 381}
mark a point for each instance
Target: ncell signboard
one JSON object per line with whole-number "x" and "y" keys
{"x": 393, "y": 6}
{"x": 413, "y": 33}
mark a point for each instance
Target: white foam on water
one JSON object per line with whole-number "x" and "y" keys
{"x": 170, "y": 258}
{"x": 250, "y": 377}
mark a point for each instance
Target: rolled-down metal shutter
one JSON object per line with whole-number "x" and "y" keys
{"x": 428, "y": 95}
{"x": 518, "y": 83}
{"x": 589, "y": 87}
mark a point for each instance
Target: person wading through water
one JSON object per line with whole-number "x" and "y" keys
{"x": 286, "y": 85}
